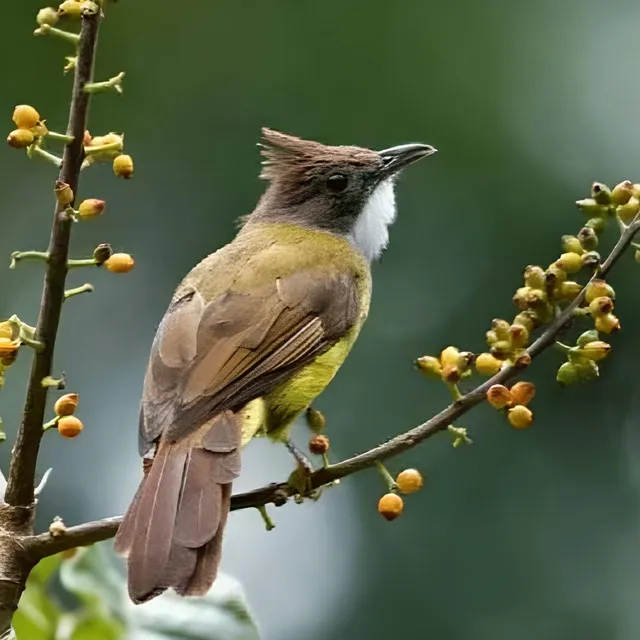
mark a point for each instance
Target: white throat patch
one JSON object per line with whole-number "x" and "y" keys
{"x": 370, "y": 233}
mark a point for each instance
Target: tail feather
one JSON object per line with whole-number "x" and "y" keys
{"x": 172, "y": 531}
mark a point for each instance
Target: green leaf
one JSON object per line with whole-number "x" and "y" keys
{"x": 93, "y": 578}
{"x": 222, "y": 614}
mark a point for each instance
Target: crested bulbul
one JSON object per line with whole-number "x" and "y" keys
{"x": 252, "y": 335}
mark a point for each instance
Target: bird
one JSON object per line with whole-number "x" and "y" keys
{"x": 252, "y": 335}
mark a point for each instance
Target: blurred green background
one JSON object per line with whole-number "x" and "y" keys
{"x": 524, "y": 535}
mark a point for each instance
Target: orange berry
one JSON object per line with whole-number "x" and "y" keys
{"x": 409, "y": 481}
{"x": 319, "y": 444}
{"x": 69, "y": 426}
{"x": 499, "y": 396}
{"x": 25, "y": 116}
{"x": 390, "y": 506}
{"x": 119, "y": 263}
{"x": 523, "y": 392}
{"x": 520, "y": 417}
{"x": 20, "y": 138}
{"x": 66, "y": 405}
{"x": 8, "y": 347}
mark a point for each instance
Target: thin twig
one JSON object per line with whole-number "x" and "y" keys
{"x": 23, "y": 463}
{"x": 44, "y": 545}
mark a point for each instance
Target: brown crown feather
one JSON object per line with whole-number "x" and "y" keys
{"x": 285, "y": 154}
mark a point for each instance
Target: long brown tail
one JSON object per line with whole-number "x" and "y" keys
{"x": 172, "y": 531}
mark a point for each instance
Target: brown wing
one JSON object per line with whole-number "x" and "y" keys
{"x": 208, "y": 358}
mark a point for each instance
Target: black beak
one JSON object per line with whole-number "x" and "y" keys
{"x": 399, "y": 157}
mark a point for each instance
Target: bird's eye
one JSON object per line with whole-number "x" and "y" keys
{"x": 337, "y": 183}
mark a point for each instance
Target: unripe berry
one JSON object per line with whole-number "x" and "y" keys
{"x": 390, "y": 506}
{"x": 636, "y": 256}
{"x": 591, "y": 207}
{"x": 569, "y": 290}
{"x": 409, "y": 481}
{"x": 622, "y": 192}
{"x": 20, "y": 138}
{"x": 627, "y": 212}
{"x": 429, "y": 366}
{"x": 601, "y": 306}
{"x": 587, "y": 337}
{"x": 501, "y": 328}
{"x": 102, "y": 253}
{"x": 607, "y": 323}
{"x": 596, "y": 350}
{"x": 597, "y": 288}
{"x": 319, "y": 444}
{"x": 600, "y": 193}
{"x": 597, "y": 224}
{"x": 587, "y": 369}
{"x": 91, "y": 208}
{"x": 315, "y": 420}
{"x": 567, "y": 374}
{"x": 48, "y": 15}
{"x": 499, "y": 397}
{"x": 449, "y": 356}
{"x": 64, "y": 194}
{"x": 572, "y": 244}
{"x": 501, "y": 349}
{"x": 66, "y": 405}
{"x": 523, "y": 392}
{"x": 487, "y": 364}
{"x": 570, "y": 262}
{"x": 518, "y": 335}
{"x": 69, "y": 426}
{"x": 520, "y": 417}
{"x": 534, "y": 276}
{"x": 119, "y": 263}
{"x": 123, "y": 166}
{"x": 25, "y": 116}
{"x": 591, "y": 259}
{"x": 70, "y": 9}
{"x": 588, "y": 238}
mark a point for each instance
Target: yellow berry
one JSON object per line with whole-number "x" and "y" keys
{"x": 64, "y": 194}
{"x": 20, "y": 138}
{"x": 570, "y": 262}
{"x": 596, "y": 350}
{"x": 523, "y": 392}
{"x": 622, "y": 192}
{"x": 319, "y": 444}
{"x": 488, "y": 365}
{"x": 66, "y": 405}
{"x": 501, "y": 349}
{"x": 91, "y": 208}
{"x": 119, "y": 263}
{"x": 627, "y": 212}
{"x": 69, "y": 426}
{"x": 25, "y": 116}
{"x": 601, "y": 306}
{"x": 451, "y": 373}
{"x": 520, "y": 417}
{"x": 430, "y": 366}
{"x": 499, "y": 397}
{"x": 123, "y": 166}
{"x": 409, "y": 481}
{"x": 597, "y": 288}
{"x": 569, "y": 290}
{"x": 449, "y": 356}
{"x": 48, "y": 15}
{"x": 390, "y": 506}
{"x": 518, "y": 335}
{"x": 571, "y": 244}
{"x": 527, "y": 319}
{"x": 607, "y": 323}
{"x": 501, "y": 328}
{"x": 534, "y": 276}
{"x": 70, "y": 9}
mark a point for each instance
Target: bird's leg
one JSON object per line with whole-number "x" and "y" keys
{"x": 302, "y": 460}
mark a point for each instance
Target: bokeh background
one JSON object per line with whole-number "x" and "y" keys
{"x": 524, "y": 535}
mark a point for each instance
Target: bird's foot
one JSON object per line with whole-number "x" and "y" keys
{"x": 300, "y": 478}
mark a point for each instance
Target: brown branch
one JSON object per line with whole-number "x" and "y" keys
{"x": 23, "y": 464}
{"x": 44, "y": 545}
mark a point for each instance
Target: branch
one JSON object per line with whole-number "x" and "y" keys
{"x": 23, "y": 464}
{"x": 44, "y": 545}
